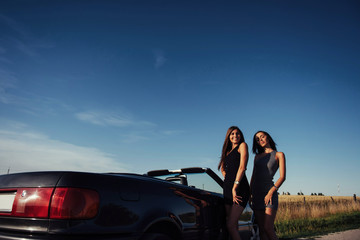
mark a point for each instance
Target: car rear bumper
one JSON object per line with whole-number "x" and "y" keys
{"x": 22, "y": 236}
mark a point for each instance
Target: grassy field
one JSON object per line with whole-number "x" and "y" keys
{"x": 300, "y": 216}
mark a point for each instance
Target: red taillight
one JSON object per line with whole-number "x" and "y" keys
{"x": 57, "y": 203}
{"x": 32, "y": 202}
{"x": 74, "y": 203}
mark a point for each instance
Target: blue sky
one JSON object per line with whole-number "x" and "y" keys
{"x": 138, "y": 85}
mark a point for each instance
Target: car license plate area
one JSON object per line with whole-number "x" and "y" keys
{"x": 6, "y": 201}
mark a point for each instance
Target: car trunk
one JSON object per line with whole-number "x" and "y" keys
{"x": 25, "y": 188}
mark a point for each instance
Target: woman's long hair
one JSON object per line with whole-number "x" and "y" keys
{"x": 256, "y": 148}
{"x": 228, "y": 145}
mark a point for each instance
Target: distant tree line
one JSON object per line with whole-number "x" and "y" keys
{"x": 319, "y": 194}
{"x": 312, "y": 194}
{"x": 301, "y": 194}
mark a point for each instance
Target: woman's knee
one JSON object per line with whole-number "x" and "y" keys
{"x": 231, "y": 224}
{"x": 269, "y": 227}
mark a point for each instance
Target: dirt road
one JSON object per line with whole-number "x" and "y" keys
{"x": 346, "y": 235}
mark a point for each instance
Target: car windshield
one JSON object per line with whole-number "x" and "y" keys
{"x": 199, "y": 180}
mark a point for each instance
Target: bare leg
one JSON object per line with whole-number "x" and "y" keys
{"x": 232, "y": 221}
{"x": 228, "y": 209}
{"x": 260, "y": 219}
{"x": 269, "y": 227}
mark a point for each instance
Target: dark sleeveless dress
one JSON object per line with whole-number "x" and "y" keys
{"x": 264, "y": 171}
{"x": 231, "y": 166}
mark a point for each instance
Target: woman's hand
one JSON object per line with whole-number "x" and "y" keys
{"x": 236, "y": 199}
{"x": 268, "y": 198}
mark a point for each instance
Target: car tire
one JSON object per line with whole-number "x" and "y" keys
{"x": 155, "y": 236}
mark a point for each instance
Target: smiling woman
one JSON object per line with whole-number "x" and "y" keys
{"x": 233, "y": 164}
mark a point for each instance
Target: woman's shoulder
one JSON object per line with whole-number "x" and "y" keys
{"x": 243, "y": 146}
{"x": 280, "y": 155}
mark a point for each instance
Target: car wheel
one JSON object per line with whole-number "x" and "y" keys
{"x": 155, "y": 236}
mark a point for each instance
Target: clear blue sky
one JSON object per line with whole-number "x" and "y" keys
{"x": 138, "y": 85}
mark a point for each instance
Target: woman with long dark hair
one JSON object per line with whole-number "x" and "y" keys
{"x": 264, "y": 195}
{"x": 233, "y": 162}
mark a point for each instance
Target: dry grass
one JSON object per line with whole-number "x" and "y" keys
{"x": 310, "y": 207}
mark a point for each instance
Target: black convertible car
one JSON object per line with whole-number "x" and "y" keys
{"x": 161, "y": 204}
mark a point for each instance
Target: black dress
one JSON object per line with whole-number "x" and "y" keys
{"x": 231, "y": 166}
{"x": 264, "y": 171}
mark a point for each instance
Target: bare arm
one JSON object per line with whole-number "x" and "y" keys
{"x": 282, "y": 168}
{"x": 244, "y": 156}
{"x": 280, "y": 157}
{"x": 222, "y": 171}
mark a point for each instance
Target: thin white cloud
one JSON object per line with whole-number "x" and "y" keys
{"x": 171, "y": 132}
{"x": 11, "y": 94}
{"x": 133, "y": 137}
{"x": 7, "y": 81}
{"x": 14, "y": 25}
{"x": 20, "y": 39}
{"x": 2, "y": 50}
{"x": 131, "y": 131}
{"x": 17, "y": 39}
{"x": 25, "y": 48}
{"x": 5, "y": 60}
{"x": 160, "y": 58}
{"x": 113, "y": 119}
{"x": 31, "y": 151}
